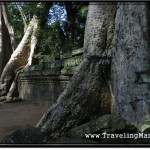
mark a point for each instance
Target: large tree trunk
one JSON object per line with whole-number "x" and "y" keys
{"x": 6, "y": 37}
{"x": 131, "y": 66}
{"x": 22, "y": 56}
{"x": 18, "y": 59}
{"x": 87, "y": 95}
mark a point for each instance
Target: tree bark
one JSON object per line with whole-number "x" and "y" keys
{"x": 8, "y": 25}
{"x": 18, "y": 59}
{"x": 6, "y": 37}
{"x": 87, "y": 95}
{"x": 1, "y": 49}
{"x": 22, "y": 56}
{"x": 130, "y": 65}
{"x": 71, "y": 14}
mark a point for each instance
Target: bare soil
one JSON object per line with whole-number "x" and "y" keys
{"x": 17, "y": 114}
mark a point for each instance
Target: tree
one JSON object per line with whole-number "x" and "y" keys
{"x": 22, "y": 56}
{"x": 75, "y": 18}
{"x": 61, "y": 34}
{"x": 127, "y": 42}
{"x": 20, "y": 15}
{"x": 7, "y": 41}
{"x": 130, "y": 63}
{"x": 82, "y": 99}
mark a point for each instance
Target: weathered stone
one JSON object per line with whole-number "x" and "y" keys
{"x": 69, "y": 62}
{"x": 54, "y": 71}
{"x": 66, "y": 55}
{"x": 32, "y": 73}
{"x": 25, "y": 135}
{"x": 78, "y": 60}
{"x": 143, "y": 126}
{"x": 68, "y": 70}
{"x": 115, "y": 124}
{"x": 77, "y": 51}
{"x": 40, "y": 77}
{"x": 145, "y": 130}
{"x": 36, "y": 67}
{"x": 45, "y": 86}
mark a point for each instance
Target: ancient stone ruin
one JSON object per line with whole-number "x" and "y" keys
{"x": 46, "y": 81}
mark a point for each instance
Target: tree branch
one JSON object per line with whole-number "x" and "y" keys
{"x": 24, "y": 18}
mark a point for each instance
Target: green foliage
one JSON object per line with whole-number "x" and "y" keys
{"x": 40, "y": 58}
{"x": 49, "y": 42}
{"x": 53, "y": 36}
{"x": 16, "y": 18}
{"x": 53, "y": 40}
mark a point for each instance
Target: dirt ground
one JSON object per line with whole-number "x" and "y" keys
{"x": 14, "y": 115}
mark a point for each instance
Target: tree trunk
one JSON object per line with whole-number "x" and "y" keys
{"x": 71, "y": 14}
{"x": 6, "y": 37}
{"x": 1, "y": 49}
{"x": 87, "y": 95}
{"x": 18, "y": 59}
{"x": 22, "y": 56}
{"x": 23, "y": 17}
{"x": 131, "y": 66}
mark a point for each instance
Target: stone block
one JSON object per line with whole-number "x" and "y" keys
{"x": 78, "y": 60}
{"x": 77, "y": 52}
{"x": 115, "y": 124}
{"x": 53, "y": 71}
{"x": 70, "y": 62}
{"x": 143, "y": 126}
{"x": 36, "y": 67}
{"x": 66, "y": 55}
{"x": 25, "y": 135}
{"x": 68, "y": 70}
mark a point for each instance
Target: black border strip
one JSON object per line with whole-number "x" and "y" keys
{"x": 75, "y": 145}
{"x": 74, "y": 1}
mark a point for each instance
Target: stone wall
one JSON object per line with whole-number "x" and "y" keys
{"x": 46, "y": 81}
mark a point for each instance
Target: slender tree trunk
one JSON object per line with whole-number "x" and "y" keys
{"x": 71, "y": 15}
{"x": 6, "y": 37}
{"x": 131, "y": 66}
{"x": 71, "y": 22}
{"x": 87, "y": 95}
{"x": 1, "y": 49}
{"x": 23, "y": 18}
{"x": 8, "y": 25}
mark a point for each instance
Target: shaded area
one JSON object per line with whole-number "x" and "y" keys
{"x": 14, "y": 115}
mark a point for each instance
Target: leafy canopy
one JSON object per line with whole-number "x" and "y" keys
{"x": 54, "y": 35}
